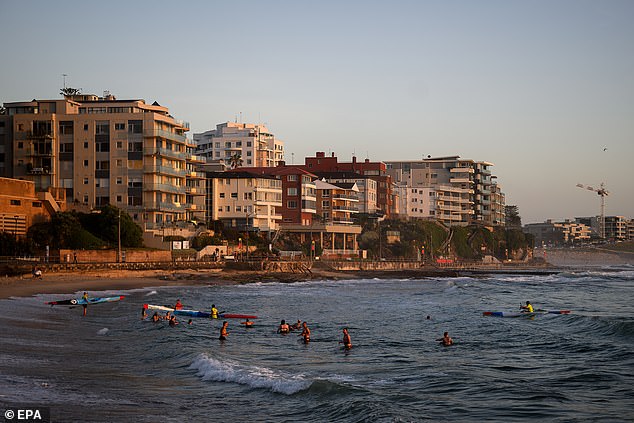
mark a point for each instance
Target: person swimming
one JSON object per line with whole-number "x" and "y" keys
{"x": 247, "y": 323}
{"x": 283, "y": 328}
{"x": 445, "y": 340}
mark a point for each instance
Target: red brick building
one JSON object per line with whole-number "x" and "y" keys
{"x": 376, "y": 171}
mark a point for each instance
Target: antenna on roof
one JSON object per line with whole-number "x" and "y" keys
{"x": 64, "y": 75}
{"x": 240, "y": 117}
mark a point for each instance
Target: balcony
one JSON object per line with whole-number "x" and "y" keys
{"x": 345, "y": 197}
{"x": 175, "y": 189}
{"x": 165, "y": 152}
{"x": 166, "y": 170}
{"x": 460, "y": 180}
{"x": 160, "y": 133}
{"x": 461, "y": 170}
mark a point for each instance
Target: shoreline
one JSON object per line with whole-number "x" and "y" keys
{"x": 70, "y": 282}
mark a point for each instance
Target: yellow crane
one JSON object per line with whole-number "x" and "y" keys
{"x": 602, "y": 192}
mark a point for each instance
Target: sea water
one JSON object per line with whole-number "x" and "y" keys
{"x": 112, "y": 366}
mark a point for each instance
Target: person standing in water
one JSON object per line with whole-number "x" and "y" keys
{"x": 223, "y": 331}
{"x": 85, "y": 305}
{"x": 305, "y": 333}
{"x": 347, "y": 342}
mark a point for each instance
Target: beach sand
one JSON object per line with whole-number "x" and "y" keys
{"x": 71, "y": 282}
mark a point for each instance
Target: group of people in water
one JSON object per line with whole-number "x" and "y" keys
{"x": 284, "y": 328}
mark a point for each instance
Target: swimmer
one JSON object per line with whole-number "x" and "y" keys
{"x": 305, "y": 333}
{"x": 284, "y": 328}
{"x": 445, "y": 340}
{"x": 247, "y": 323}
{"x": 347, "y": 342}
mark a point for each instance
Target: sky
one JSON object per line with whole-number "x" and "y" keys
{"x": 542, "y": 89}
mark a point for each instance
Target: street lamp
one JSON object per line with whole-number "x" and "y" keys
{"x": 119, "y": 236}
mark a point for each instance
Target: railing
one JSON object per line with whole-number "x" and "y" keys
{"x": 168, "y": 170}
{"x": 164, "y": 152}
{"x": 164, "y": 134}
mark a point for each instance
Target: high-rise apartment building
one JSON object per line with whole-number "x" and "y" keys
{"x": 463, "y": 191}
{"x": 240, "y": 145}
{"x": 106, "y": 151}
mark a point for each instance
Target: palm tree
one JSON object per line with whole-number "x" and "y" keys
{"x": 235, "y": 161}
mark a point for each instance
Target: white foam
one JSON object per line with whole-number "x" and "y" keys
{"x": 256, "y": 377}
{"x": 151, "y": 293}
{"x": 102, "y": 331}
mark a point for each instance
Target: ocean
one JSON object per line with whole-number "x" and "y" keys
{"x": 112, "y": 366}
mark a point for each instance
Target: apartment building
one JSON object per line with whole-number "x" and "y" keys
{"x": 337, "y": 202}
{"x": 101, "y": 150}
{"x": 240, "y": 145}
{"x": 465, "y": 190}
{"x": 551, "y": 233}
{"x": 386, "y": 201}
{"x": 244, "y": 201}
{"x": 616, "y": 227}
{"x": 367, "y": 196}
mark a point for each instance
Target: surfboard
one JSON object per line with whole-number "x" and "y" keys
{"x": 89, "y": 301}
{"x": 523, "y": 314}
{"x": 196, "y": 313}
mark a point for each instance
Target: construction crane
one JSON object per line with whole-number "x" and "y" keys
{"x": 602, "y": 192}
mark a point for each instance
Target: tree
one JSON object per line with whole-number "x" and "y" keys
{"x": 105, "y": 225}
{"x": 235, "y": 161}
{"x": 512, "y": 219}
{"x": 68, "y": 91}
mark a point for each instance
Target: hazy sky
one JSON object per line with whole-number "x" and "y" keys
{"x": 539, "y": 88}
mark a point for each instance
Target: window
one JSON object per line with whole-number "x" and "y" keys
{"x": 234, "y": 195}
{"x": 238, "y": 208}
{"x": 135, "y": 127}
{"x": 119, "y": 163}
{"x": 228, "y": 208}
{"x": 217, "y": 153}
{"x": 119, "y": 145}
{"x": 85, "y": 129}
{"x": 20, "y": 144}
{"x": 85, "y": 199}
{"x": 119, "y": 198}
{"x": 248, "y": 154}
{"x": 292, "y": 191}
{"x": 85, "y": 144}
{"x": 291, "y": 178}
{"x": 248, "y": 161}
{"x": 325, "y": 204}
{"x": 228, "y": 144}
{"x": 66, "y": 128}
{"x": 102, "y": 128}
{"x": 220, "y": 208}
{"x": 119, "y": 127}
{"x": 119, "y": 182}
{"x": 325, "y": 193}
{"x": 248, "y": 196}
{"x": 37, "y": 204}
{"x": 15, "y": 202}
{"x": 248, "y": 143}
{"x": 238, "y": 143}
{"x": 217, "y": 145}
{"x": 85, "y": 163}
{"x": 222, "y": 195}
{"x": 20, "y": 127}
{"x": 85, "y": 181}
{"x": 66, "y": 148}
{"x": 291, "y": 204}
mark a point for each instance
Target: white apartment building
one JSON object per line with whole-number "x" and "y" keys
{"x": 465, "y": 190}
{"x": 244, "y": 201}
{"x": 252, "y": 143}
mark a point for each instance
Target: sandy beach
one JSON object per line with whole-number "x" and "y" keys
{"x": 68, "y": 283}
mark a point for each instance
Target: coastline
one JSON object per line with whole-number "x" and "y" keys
{"x": 70, "y": 282}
